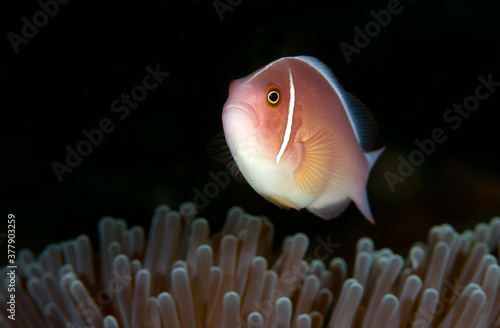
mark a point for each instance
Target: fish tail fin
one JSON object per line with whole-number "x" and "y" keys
{"x": 361, "y": 200}
{"x": 363, "y": 206}
{"x": 372, "y": 156}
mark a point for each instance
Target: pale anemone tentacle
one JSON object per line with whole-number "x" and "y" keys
{"x": 229, "y": 279}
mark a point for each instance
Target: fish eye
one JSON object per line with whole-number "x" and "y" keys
{"x": 273, "y": 97}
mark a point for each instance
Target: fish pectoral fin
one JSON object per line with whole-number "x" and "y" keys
{"x": 322, "y": 165}
{"x": 218, "y": 151}
{"x": 330, "y": 211}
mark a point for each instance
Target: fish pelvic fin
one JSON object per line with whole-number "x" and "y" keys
{"x": 281, "y": 201}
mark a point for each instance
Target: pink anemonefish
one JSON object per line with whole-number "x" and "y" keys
{"x": 299, "y": 139}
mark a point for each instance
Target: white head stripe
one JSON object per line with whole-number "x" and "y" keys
{"x": 288, "y": 130}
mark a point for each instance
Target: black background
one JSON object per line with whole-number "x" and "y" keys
{"x": 64, "y": 79}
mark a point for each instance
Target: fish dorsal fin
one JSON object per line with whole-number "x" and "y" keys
{"x": 322, "y": 164}
{"x": 361, "y": 119}
{"x": 218, "y": 151}
{"x": 364, "y": 124}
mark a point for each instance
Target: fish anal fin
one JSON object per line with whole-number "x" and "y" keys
{"x": 331, "y": 211}
{"x": 322, "y": 165}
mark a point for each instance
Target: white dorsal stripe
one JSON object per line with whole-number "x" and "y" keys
{"x": 356, "y": 121}
{"x": 263, "y": 69}
{"x": 288, "y": 130}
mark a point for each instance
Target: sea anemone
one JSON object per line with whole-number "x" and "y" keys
{"x": 182, "y": 277}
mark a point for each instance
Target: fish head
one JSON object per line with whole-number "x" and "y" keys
{"x": 256, "y": 111}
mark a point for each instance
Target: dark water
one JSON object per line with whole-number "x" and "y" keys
{"x": 69, "y": 75}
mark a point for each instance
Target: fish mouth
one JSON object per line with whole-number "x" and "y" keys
{"x": 241, "y": 106}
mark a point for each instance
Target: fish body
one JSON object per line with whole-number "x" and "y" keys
{"x": 299, "y": 139}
